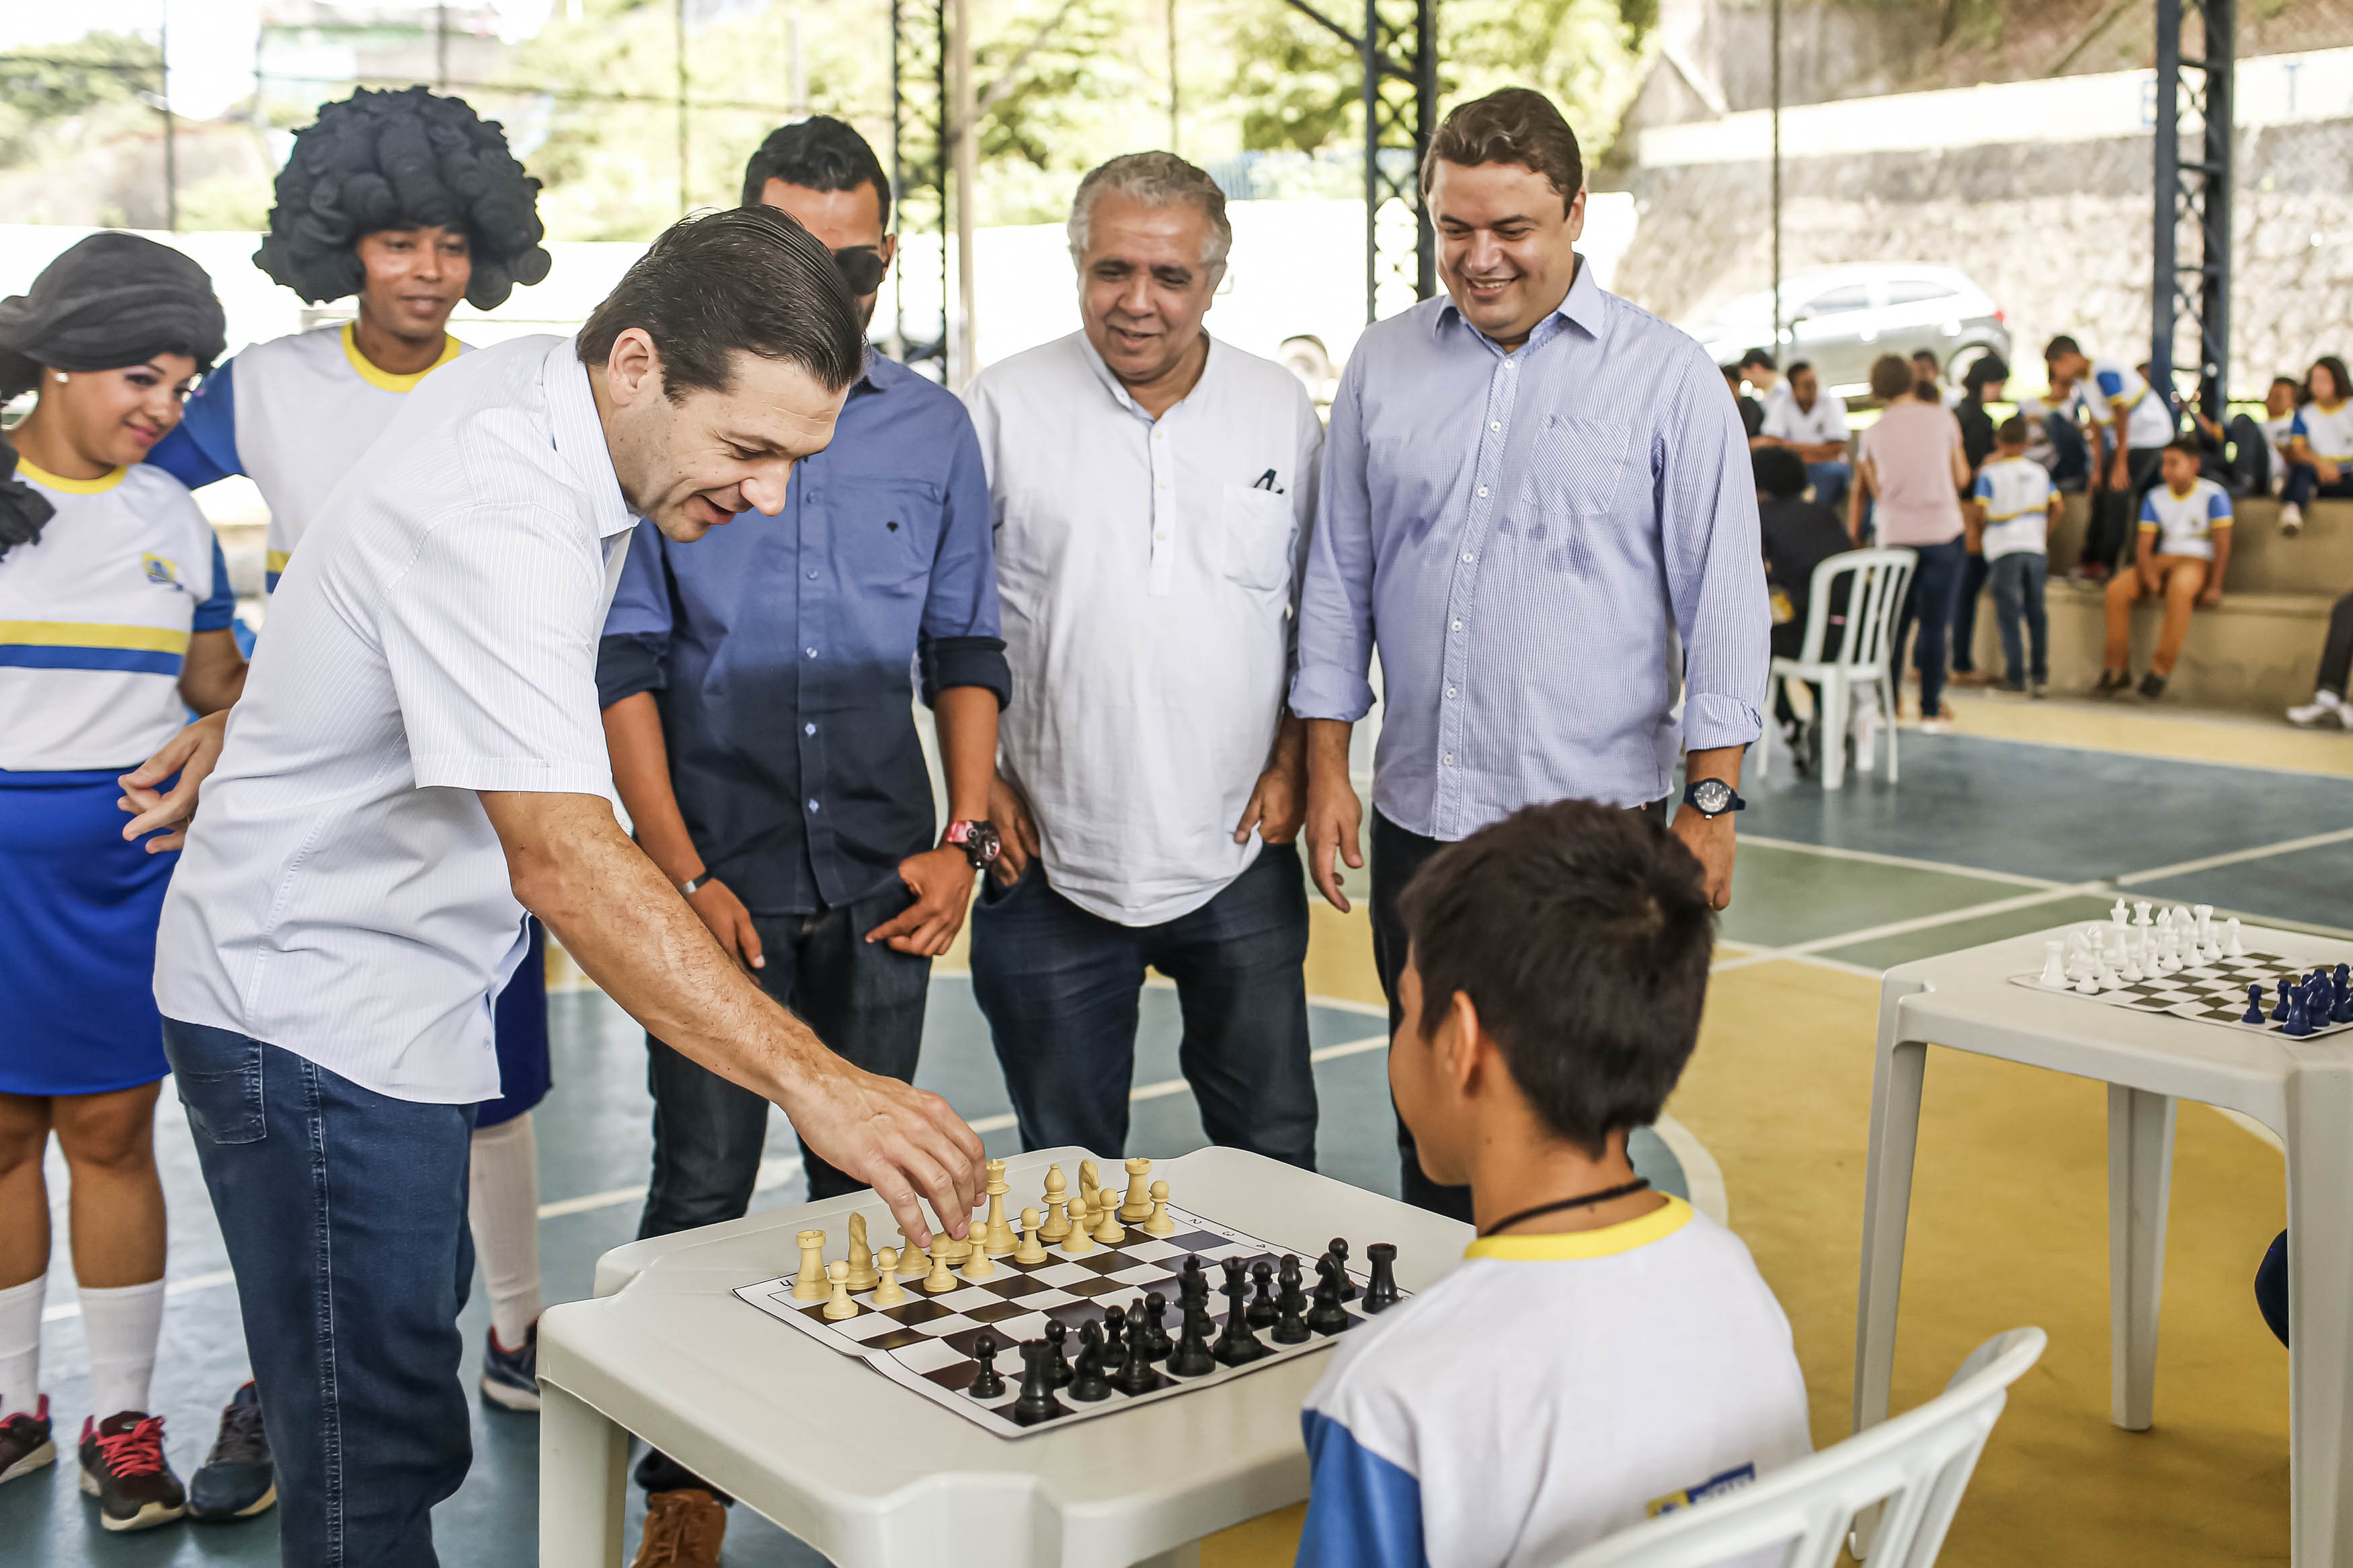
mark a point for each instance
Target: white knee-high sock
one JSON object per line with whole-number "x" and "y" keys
{"x": 502, "y": 1207}
{"x": 20, "y": 1346}
{"x": 121, "y": 1326}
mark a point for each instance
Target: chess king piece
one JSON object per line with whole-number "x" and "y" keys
{"x": 987, "y": 1383}
{"x": 809, "y": 1284}
{"x": 1057, "y": 1207}
{"x": 1037, "y": 1403}
{"x": 997, "y": 1239}
{"x": 1138, "y": 1207}
{"x": 838, "y": 1306}
{"x": 1088, "y": 1383}
{"x": 940, "y": 1280}
{"x": 1382, "y": 1293}
{"x": 1031, "y": 1250}
{"x": 1160, "y": 1224}
{"x": 887, "y": 1290}
{"x": 861, "y": 1256}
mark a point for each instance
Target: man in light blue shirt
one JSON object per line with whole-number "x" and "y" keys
{"x": 1537, "y": 506}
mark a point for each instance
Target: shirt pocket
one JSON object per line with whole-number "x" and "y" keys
{"x": 1260, "y": 538}
{"x": 885, "y": 532}
{"x": 1577, "y": 467}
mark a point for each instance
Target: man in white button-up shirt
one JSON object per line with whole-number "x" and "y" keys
{"x": 418, "y": 758}
{"x": 1153, "y": 490}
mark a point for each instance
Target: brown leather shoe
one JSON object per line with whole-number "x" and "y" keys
{"x": 684, "y": 1529}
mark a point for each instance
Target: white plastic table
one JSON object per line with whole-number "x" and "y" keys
{"x": 877, "y": 1477}
{"x": 2303, "y": 1090}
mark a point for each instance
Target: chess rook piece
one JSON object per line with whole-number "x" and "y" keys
{"x": 1382, "y": 1293}
{"x": 1037, "y": 1403}
{"x": 1030, "y": 1250}
{"x": 809, "y": 1284}
{"x": 1138, "y": 1207}
{"x": 1236, "y": 1344}
{"x": 940, "y": 1280}
{"x": 861, "y": 1256}
{"x": 1327, "y": 1316}
{"x": 839, "y": 1305}
{"x": 996, "y": 1239}
{"x": 1058, "y": 1336}
{"x": 2255, "y": 1013}
{"x": 1057, "y": 1207}
{"x": 1154, "y": 1316}
{"x": 887, "y": 1290}
{"x": 1262, "y": 1308}
{"x": 1088, "y": 1383}
{"x": 1160, "y": 1224}
{"x": 1338, "y": 1253}
{"x": 2055, "y": 966}
{"x": 987, "y": 1383}
{"x": 1136, "y": 1372}
{"x": 978, "y": 1264}
{"x": 1193, "y": 1357}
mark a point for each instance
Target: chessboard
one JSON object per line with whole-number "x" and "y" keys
{"x": 935, "y": 1343}
{"x": 2207, "y": 992}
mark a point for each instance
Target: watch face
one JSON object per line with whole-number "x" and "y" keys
{"x": 1711, "y": 795}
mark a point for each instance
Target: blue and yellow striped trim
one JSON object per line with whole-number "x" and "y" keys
{"x": 1609, "y": 1240}
{"x": 92, "y": 645}
{"x": 99, "y": 485}
{"x": 274, "y": 568}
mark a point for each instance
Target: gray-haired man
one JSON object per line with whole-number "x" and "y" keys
{"x": 1152, "y": 489}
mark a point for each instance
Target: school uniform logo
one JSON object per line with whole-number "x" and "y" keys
{"x": 1714, "y": 1485}
{"x": 162, "y": 572}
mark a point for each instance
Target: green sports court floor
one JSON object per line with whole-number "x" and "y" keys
{"x": 1985, "y": 837}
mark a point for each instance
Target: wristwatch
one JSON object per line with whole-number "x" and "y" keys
{"x": 688, "y": 887}
{"x": 1712, "y": 797}
{"x": 979, "y": 841}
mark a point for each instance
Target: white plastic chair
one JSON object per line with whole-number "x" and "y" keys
{"x": 1909, "y": 1471}
{"x": 1865, "y": 654}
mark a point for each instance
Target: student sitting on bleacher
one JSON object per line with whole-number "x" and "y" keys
{"x": 2185, "y": 544}
{"x": 2319, "y": 444}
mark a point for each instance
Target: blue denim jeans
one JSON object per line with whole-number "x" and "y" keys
{"x": 1060, "y": 987}
{"x": 1828, "y": 480}
{"x": 1928, "y": 604}
{"x": 2304, "y": 484}
{"x": 2017, "y": 578}
{"x": 344, "y": 1214}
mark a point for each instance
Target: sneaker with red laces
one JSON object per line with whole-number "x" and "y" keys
{"x": 122, "y": 1466}
{"x": 25, "y": 1444}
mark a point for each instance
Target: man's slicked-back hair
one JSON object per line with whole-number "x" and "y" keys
{"x": 749, "y": 280}
{"x": 1156, "y": 180}
{"x": 820, "y": 153}
{"x": 1510, "y": 125}
{"x": 1582, "y": 934}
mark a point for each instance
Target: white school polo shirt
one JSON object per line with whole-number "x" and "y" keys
{"x": 1149, "y": 574}
{"x": 343, "y": 895}
{"x": 1825, "y": 421}
{"x": 2016, "y": 492}
{"x": 2327, "y": 430}
{"x": 2109, "y": 390}
{"x": 2185, "y": 524}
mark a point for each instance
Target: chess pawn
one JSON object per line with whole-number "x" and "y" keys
{"x": 1160, "y": 1224}
{"x": 978, "y": 1264}
{"x": 1138, "y": 1207}
{"x": 1081, "y": 1238}
{"x": 1057, "y": 1207}
{"x": 888, "y": 1292}
{"x": 1031, "y": 1250}
{"x": 940, "y": 1280}
{"x": 809, "y": 1284}
{"x": 861, "y": 1256}
{"x": 840, "y": 1305}
{"x": 2232, "y": 946}
{"x": 912, "y": 1264}
{"x": 1108, "y": 1230}
{"x": 987, "y": 1383}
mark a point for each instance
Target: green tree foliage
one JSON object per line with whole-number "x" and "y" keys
{"x": 58, "y": 97}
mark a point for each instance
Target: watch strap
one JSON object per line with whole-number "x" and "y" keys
{"x": 693, "y": 885}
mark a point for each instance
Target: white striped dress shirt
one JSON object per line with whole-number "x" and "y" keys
{"x": 1520, "y": 533}
{"x": 343, "y": 895}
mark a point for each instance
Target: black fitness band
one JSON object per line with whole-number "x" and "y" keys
{"x": 1589, "y": 1199}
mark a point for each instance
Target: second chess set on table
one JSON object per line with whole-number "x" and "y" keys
{"x": 2185, "y": 964}
{"x": 1105, "y": 1300}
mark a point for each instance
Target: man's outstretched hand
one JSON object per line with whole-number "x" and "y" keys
{"x": 905, "y": 1143}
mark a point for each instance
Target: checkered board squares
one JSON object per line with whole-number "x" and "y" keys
{"x": 925, "y": 1343}
{"x": 2206, "y": 992}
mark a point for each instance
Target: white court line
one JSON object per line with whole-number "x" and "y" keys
{"x": 1900, "y": 862}
{"x": 2237, "y": 857}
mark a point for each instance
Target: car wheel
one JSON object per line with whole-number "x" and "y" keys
{"x": 1957, "y": 367}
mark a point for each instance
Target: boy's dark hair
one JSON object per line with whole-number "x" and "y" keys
{"x": 1891, "y": 377}
{"x": 2188, "y": 447}
{"x": 1920, "y": 354}
{"x": 1510, "y": 125}
{"x": 1779, "y": 472}
{"x": 1757, "y": 357}
{"x": 2293, "y": 385}
{"x": 1582, "y": 934}
{"x": 1798, "y": 368}
{"x": 820, "y": 153}
{"x": 2062, "y": 344}
{"x": 747, "y": 279}
{"x": 1983, "y": 371}
{"x": 2012, "y": 433}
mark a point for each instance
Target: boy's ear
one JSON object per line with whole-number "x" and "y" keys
{"x": 1462, "y": 1044}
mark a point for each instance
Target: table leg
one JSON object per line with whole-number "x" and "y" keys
{"x": 1886, "y": 1205}
{"x": 583, "y": 1483}
{"x": 2140, "y": 1181}
{"x": 1830, "y": 714}
{"x": 2320, "y": 1313}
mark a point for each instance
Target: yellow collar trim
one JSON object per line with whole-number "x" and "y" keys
{"x": 373, "y": 376}
{"x": 1609, "y": 1240}
{"x": 99, "y": 485}
{"x": 2182, "y": 495}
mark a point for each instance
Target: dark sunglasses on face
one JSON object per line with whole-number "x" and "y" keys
{"x": 862, "y": 267}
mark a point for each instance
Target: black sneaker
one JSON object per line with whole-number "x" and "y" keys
{"x": 2152, "y": 687}
{"x": 511, "y": 1377}
{"x": 2113, "y": 681}
{"x": 24, "y": 1443}
{"x": 122, "y": 1466}
{"x": 238, "y": 1478}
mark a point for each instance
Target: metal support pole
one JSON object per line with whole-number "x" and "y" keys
{"x": 2162, "y": 300}
{"x": 919, "y": 167}
{"x": 2222, "y": 121}
{"x": 2190, "y": 298}
{"x": 964, "y": 159}
{"x": 1369, "y": 64}
{"x": 1777, "y": 181}
{"x": 685, "y": 180}
{"x": 441, "y": 45}
{"x": 1398, "y": 57}
{"x": 171, "y": 125}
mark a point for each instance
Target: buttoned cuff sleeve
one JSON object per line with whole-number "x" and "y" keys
{"x": 1712, "y": 720}
{"x": 1327, "y": 691}
{"x": 965, "y": 661}
{"x": 626, "y": 665}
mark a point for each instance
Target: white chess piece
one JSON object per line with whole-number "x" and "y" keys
{"x": 2055, "y": 966}
{"x": 888, "y": 1291}
{"x": 839, "y": 1305}
{"x": 2140, "y": 914}
{"x": 1031, "y": 1250}
{"x": 2232, "y": 946}
{"x": 2205, "y": 914}
{"x": 2119, "y": 915}
{"x": 809, "y": 1284}
{"x": 2108, "y": 978}
{"x": 2132, "y": 972}
{"x": 2089, "y": 982}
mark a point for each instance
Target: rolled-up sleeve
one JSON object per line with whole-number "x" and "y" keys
{"x": 1335, "y": 602}
{"x": 633, "y": 654}
{"x": 960, "y": 643}
{"x": 1715, "y": 573}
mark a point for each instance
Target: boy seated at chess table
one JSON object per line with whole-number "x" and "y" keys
{"x": 1604, "y": 1352}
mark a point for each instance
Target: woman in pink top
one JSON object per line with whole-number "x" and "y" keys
{"x": 1910, "y": 471}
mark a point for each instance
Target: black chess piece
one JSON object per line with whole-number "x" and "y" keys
{"x": 1193, "y": 1357}
{"x": 2279, "y": 1014}
{"x": 1262, "y": 1308}
{"x": 987, "y": 1383}
{"x": 1135, "y": 1373}
{"x": 2255, "y": 1013}
{"x": 1382, "y": 1293}
{"x": 1114, "y": 1337}
{"x": 1236, "y": 1344}
{"x": 1037, "y": 1403}
{"x": 1327, "y": 1316}
{"x": 2299, "y": 1011}
{"x": 1338, "y": 1253}
{"x": 1291, "y": 1325}
{"x": 1057, "y": 1335}
{"x": 1192, "y": 1285}
{"x": 1155, "y": 1323}
{"x": 2342, "y": 1013}
{"x": 1089, "y": 1383}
